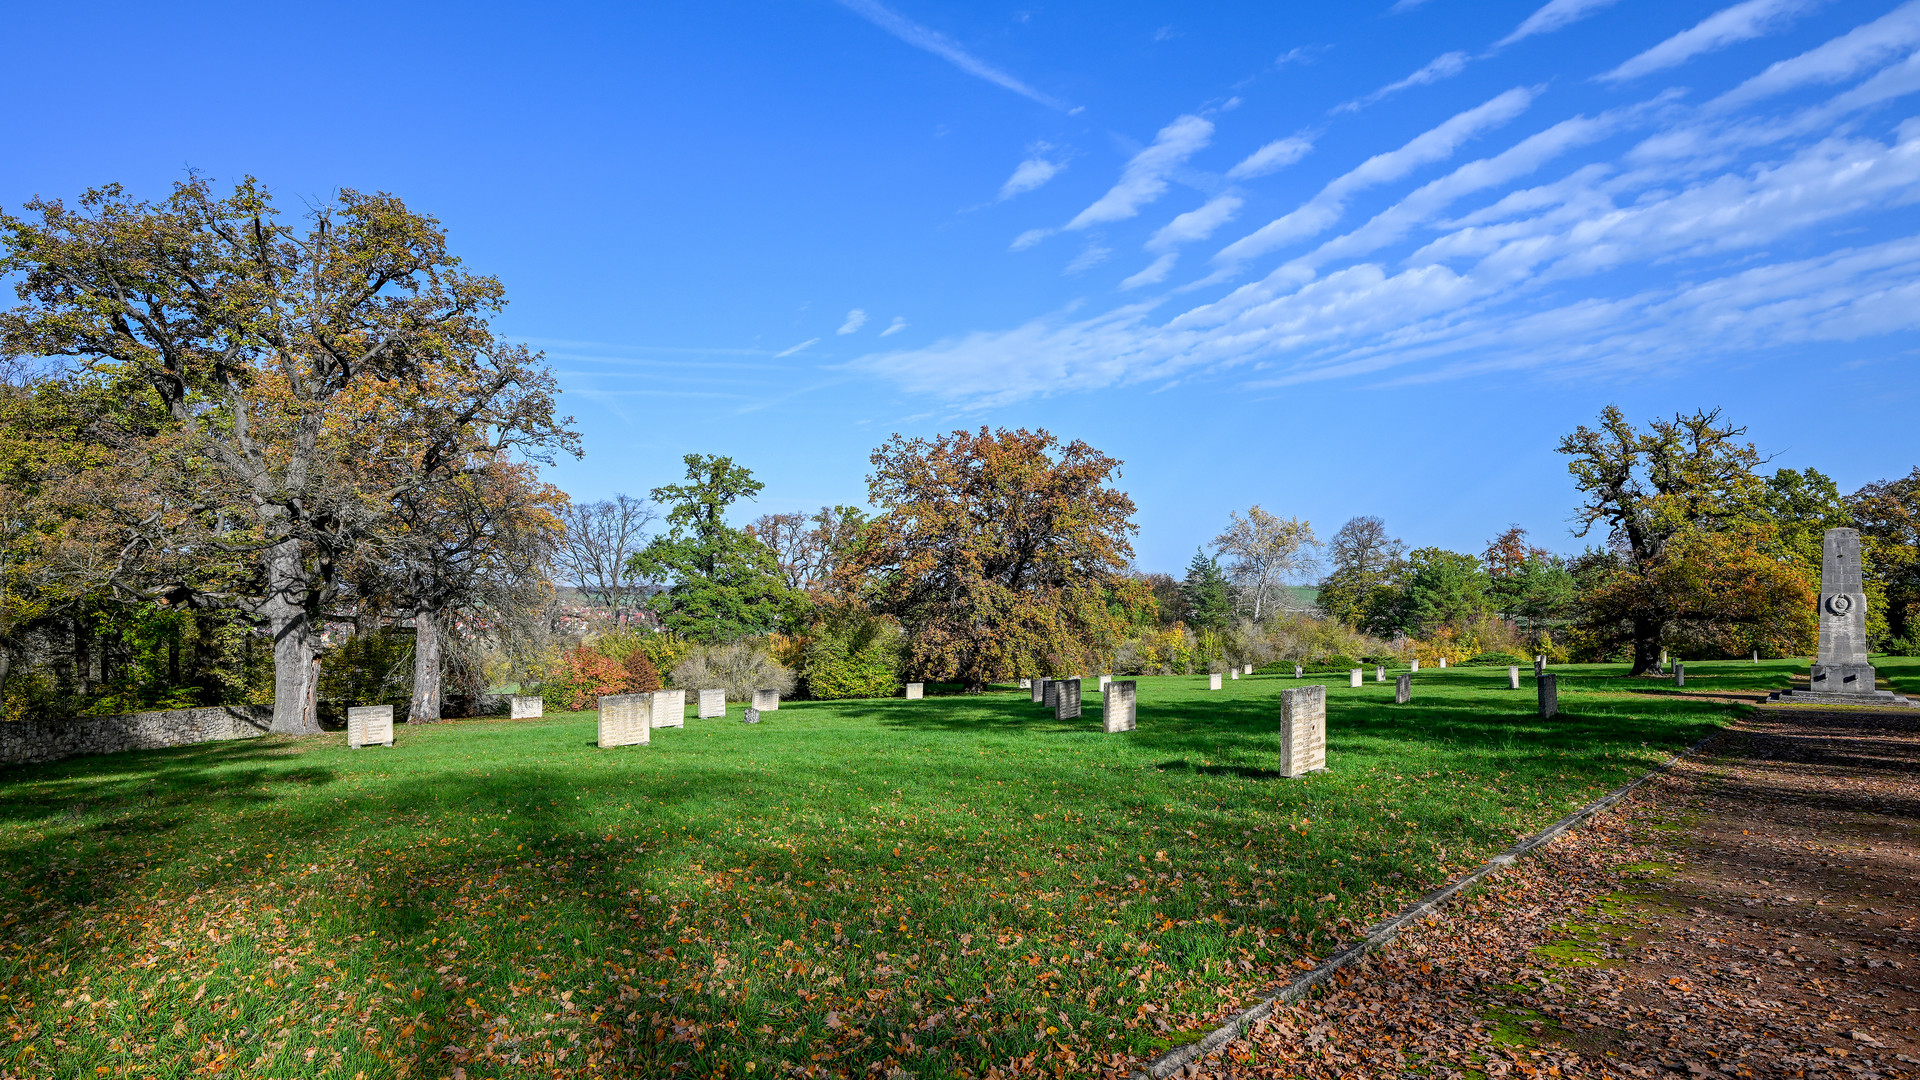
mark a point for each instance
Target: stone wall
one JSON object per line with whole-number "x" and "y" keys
{"x": 52, "y": 740}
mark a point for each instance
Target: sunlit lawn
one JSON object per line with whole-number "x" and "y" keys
{"x": 943, "y": 886}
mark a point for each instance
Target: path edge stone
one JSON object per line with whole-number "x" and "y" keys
{"x": 1177, "y": 1058}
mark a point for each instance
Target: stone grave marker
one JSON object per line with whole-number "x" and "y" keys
{"x": 1104, "y": 680}
{"x": 526, "y": 707}
{"x": 1119, "y": 707}
{"x": 1303, "y": 730}
{"x": 766, "y": 700}
{"x": 751, "y": 716}
{"x": 1513, "y": 676}
{"x": 1066, "y": 702}
{"x": 712, "y": 703}
{"x": 1443, "y": 661}
{"x": 1379, "y": 673}
{"x": 1297, "y": 672}
{"x": 1416, "y": 664}
{"x": 1026, "y": 684}
{"x": 669, "y": 708}
{"x": 1539, "y": 666}
{"x": 1353, "y": 677}
{"x": 916, "y": 691}
{"x": 1549, "y": 686}
{"x": 1213, "y": 681}
{"x": 1234, "y": 673}
{"x": 1679, "y": 675}
{"x": 626, "y": 720}
{"x": 369, "y": 725}
{"x": 1403, "y": 689}
{"x": 1047, "y": 691}
{"x": 1248, "y": 669}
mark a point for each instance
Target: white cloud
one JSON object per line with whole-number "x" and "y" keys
{"x": 1555, "y": 15}
{"x": 1091, "y": 256}
{"x": 921, "y": 37}
{"x": 855, "y": 320}
{"x": 1324, "y": 209}
{"x": 796, "y": 348}
{"x": 1404, "y": 5}
{"x": 1031, "y": 237}
{"x": 1145, "y": 177}
{"x": 1196, "y": 224}
{"x": 1741, "y": 22}
{"x": 1839, "y": 59}
{"x": 1444, "y": 66}
{"x": 898, "y": 324}
{"x": 1028, "y": 175}
{"x": 1271, "y": 158}
{"x": 1154, "y": 273}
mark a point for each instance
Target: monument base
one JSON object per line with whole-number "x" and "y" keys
{"x": 1874, "y": 699}
{"x": 1842, "y": 679}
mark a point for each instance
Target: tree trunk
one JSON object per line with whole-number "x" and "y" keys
{"x": 425, "y": 708}
{"x": 1646, "y": 646}
{"x": 6, "y": 666}
{"x": 296, "y": 655}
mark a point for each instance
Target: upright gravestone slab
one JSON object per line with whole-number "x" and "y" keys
{"x": 1443, "y": 661}
{"x": 1039, "y": 688}
{"x": 1303, "y": 730}
{"x": 1379, "y": 673}
{"x": 1679, "y": 675}
{"x": 1213, "y": 681}
{"x": 1026, "y": 684}
{"x": 1118, "y": 709}
{"x": 1234, "y": 673}
{"x": 1756, "y": 656}
{"x": 626, "y": 720}
{"x": 712, "y": 703}
{"x": 1513, "y": 676}
{"x": 916, "y": 691}
{"x": 669, "y": 709}
{"x": 1066, "y": 701}
{"x": 1403, "y": 690}
{"x": 1297, "y": 673}
{"x": 1353, "y": 677}
{"x": 766, "y": 700}
{"x": 1841, "y": 673}
{"x": 1248, "y": 670}
{"x": 369, "y": 725}
{"x": 1048, "y": 690}
{"x": 1663, "y": 658}
{"x": 1549, "y": 687}
{"x": 1415, "y": 666}
{"x": 1539, "y": 666}
{"x": 526, "y": 707}
{"x": 1104, "y": 680}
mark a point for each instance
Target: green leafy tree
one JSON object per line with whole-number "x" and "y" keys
{"x": 723, "y": 583}
{"x": 1526, "y": 582}
{"x": 1439, "y": 588}
{"x": 1361, "y": 585}
{"x": 1209, "y": 598}
{"x": 1887, "y": 514}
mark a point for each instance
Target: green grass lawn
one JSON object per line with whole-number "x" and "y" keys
{"x": 943, "y": 886}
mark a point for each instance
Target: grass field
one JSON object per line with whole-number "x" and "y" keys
{"x": 946, "y": 886}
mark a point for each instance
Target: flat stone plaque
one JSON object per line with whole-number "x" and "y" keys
{"x": 766, "y": 700}
{"x": 1066, "y": 701}
{"x": 1119, "y": 708}
{"x": 626, "y": 720}
{"x": 526, "y": 707}
{"x": 1213, "y": 681}
{"x": 1403, "y": 690}
{"x": 369, "y": 725}
{"x": 712, "y": 703}
{"x": 1303, "y": 730}
{"x": 916, "y": 691}
{"x": 669, "y": 708}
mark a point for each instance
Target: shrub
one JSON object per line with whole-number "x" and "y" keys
{"x": 1495, "y": 659}
{"x": 861, "y": 660}
{"x": 1906, "y": 646}
{"x": 739, "y": 669}
{"x": 642, "y": 676}
{"x": 1336, "y": 662}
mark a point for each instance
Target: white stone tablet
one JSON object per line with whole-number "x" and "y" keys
{"x": 669, "y": 708}
{"x": 626, "y": 720}
{"x": 369, "y": 725}
{"x": 766, "y": 700}
{"x": 527, "y": 707}
{"x": 1303, "y": 730}
{"x": 712, "y": 703}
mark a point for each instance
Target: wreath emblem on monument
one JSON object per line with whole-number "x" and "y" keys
{"x": 1839, "y": 603}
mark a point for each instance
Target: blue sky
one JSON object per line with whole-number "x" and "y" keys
{"x": 1331, "y": 259}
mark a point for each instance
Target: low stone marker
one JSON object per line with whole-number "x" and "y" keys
{"x": 1297, "y": 673}
{"x": 626, "y": 720}
{"x": 369, "y": 725}
{"x": 1353, "y": 677}
{"x": 1104, "y": 681}
{"x": 1213, "y": 681}
{"x": 526, "y": 707}
{"x": 1403, "y": 690}
{"x": 1066, "y": 701}
{"x": 1663, "y": 658}
{"x": 1756, "y": 656}
{"x": 766, "y": 700}
{"x": 1679, "y": 675}
{"x": 751, "y": 716}
{"x": 1026, "y": 684}
{"x": 1443, "y": 661}
{"x": 1303, "y": 730}
{"x": 1248, "y": 669}
{"x": 1233, "y": 673}
{"x": 712, "y": 703}
{"x": 1119, "y": 708}
{"x": 1379, "y": 673}
{"x": 1549, "y": 696}
{"x": 1539, "y": 666}
{"x": 669, "y": 709}
{"x": 1416, "y": 664}
{"x": 916, "y": 691}
{"x": 1513, "y": 676}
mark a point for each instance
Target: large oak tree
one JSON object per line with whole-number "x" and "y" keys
{"x": 1002, "y": 553}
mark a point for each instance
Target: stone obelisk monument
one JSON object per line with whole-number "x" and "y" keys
{"x": 1841, "y": 674}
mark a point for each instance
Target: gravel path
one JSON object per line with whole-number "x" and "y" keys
{"x": 1756, "y": 912}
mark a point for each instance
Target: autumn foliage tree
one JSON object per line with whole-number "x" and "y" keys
{"x": 310, "y": 374}
{"x": 1691, "y": 546}
{"x": 1001, "y": 553}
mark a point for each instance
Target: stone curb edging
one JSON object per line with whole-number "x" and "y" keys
{"x": 1179, "y": 1057}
